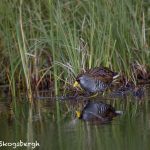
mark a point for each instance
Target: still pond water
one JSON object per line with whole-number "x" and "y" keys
{"x": 63, "y": 131}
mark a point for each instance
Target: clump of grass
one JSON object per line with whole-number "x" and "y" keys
{"x": 74, "y": 34}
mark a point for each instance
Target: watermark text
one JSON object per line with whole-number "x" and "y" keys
{"x": 20, "y": 143}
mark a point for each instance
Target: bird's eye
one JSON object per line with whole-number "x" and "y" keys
{"x": 78, "y": 80}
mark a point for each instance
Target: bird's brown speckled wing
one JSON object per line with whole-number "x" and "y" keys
{"x": 101, "y": 73}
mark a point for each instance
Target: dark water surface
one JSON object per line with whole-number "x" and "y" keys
{"x": 61, "y": 130}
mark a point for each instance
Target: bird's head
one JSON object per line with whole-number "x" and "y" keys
{"x": 77, "y": 82}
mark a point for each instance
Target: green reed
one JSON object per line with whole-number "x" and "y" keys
{"x": 61, "y": 38}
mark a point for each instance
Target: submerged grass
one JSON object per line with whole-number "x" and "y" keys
{"x": 57, "y": 39}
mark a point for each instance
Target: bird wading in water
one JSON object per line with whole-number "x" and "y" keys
{"x": 96, "y": 79}
{"x": 98, "y": 111}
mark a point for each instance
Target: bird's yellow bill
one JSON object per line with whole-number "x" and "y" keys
{"x": 76, "y": 84}
{"x": 78, "y": 113}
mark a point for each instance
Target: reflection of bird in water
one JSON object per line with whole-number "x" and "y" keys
{"x": 96, "y": 79}
{"x": 98, "y": 111}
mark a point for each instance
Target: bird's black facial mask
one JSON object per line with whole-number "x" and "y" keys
{"x": 77, "y": 83}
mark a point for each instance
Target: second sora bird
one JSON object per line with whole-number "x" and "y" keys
{"x": 96, "y": 79}
{"x": 98, "y": 111}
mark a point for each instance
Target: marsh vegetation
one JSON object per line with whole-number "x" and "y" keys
{"x": 45, "y": 44}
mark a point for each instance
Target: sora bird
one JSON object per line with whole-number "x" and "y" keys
{"x": 96, "y": 79}
{"x": 98, "y": 111}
